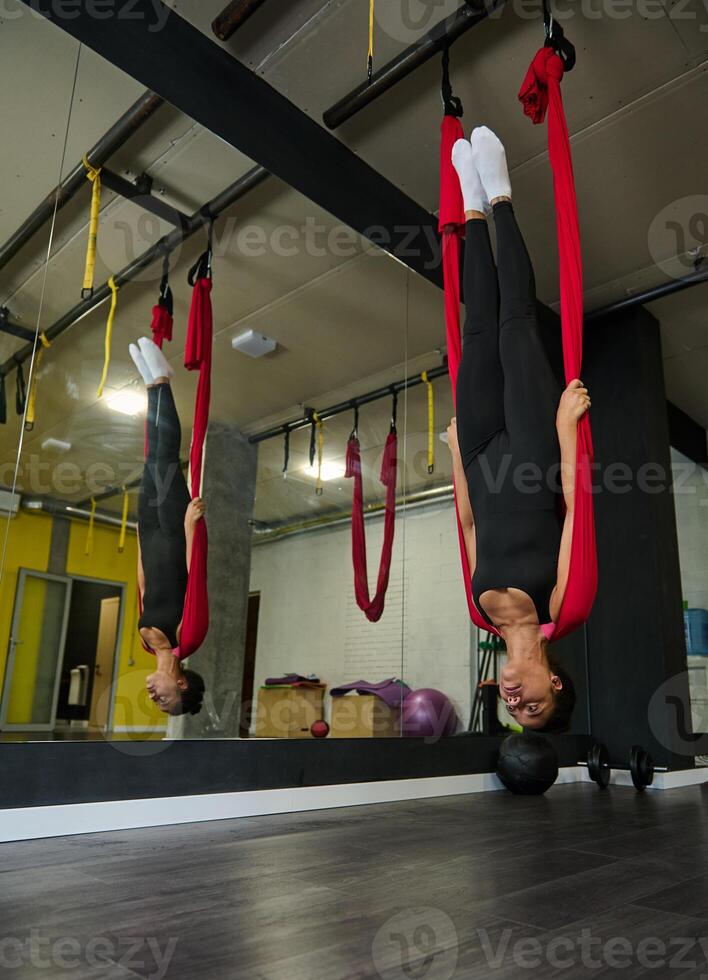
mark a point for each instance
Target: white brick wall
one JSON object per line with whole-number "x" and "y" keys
{"x": 309, "y": 621}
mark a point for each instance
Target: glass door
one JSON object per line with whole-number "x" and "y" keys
{"x": 37, "y": 639}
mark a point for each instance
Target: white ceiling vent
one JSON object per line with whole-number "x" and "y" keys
{"x": 253, "y": 343}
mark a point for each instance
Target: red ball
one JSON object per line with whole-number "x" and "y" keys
{"x": 319, "y": 729}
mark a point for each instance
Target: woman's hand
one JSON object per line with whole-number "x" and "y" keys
{"x": 574, "y": 403}
{"x": 195, "y": 512}
{"x": 452, "y": 437}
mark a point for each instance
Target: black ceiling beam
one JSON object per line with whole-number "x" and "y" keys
{"x": 14, "y": 329}
{"x": 140, "y": 191}
{"x": 439, "y": 38}
{"x": 233, "y": 16}
{"x": 112, "y": 140}
{"x": 210, "y": 86}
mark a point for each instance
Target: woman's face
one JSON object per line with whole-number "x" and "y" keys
{"x": 164, "y": 690}
{"x": 527, "y": 693}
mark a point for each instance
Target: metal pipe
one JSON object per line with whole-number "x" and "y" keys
{"x": 234, "y": 16}
{"x": 349, "y": 405}
{"x": 112, "y": 140}
{"x": 649, "y": 295}
{"x": 440, "y": 37}
{"x": 165, "y": 245}
{"x": 57, "y": 508}
{"x": 424, "y": 498}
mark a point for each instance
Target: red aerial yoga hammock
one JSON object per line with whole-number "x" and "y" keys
{"x": 372, "y": 608}
{"x": 161, "y": 325}
{"x": 540, "y": 92}
{"x": 197, "y": 357}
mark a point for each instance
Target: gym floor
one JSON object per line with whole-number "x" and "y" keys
{"x": 601, "y": 882}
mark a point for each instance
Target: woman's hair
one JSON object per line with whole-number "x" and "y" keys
{"x": 564, "y": 701}
{"x": 193, "y": 697}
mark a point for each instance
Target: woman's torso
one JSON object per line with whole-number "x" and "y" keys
{"x": 164, "y": 559}
{"x": 517, "y": 525}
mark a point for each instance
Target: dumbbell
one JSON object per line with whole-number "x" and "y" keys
{"x": 641, "y": 766}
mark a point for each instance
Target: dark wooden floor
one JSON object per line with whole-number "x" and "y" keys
{"x": 611, "y": 884}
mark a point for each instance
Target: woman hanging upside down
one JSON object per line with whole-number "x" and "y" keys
{"x": 167, "y": 517}
{"x": 514, "y": 431}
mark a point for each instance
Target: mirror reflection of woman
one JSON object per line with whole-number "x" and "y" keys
{"x": 167, "y": 517}
{"x": 514, "y": 431}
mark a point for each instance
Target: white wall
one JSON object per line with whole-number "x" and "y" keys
{"x": 691, "y": 502}
{"x": 309, "y": 621}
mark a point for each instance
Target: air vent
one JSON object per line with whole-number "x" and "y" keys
{"x": 254, "y": 344}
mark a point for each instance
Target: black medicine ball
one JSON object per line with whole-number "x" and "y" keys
{"x": 527, "y": 764}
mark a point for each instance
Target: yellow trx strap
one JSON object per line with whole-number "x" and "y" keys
{"x": 431, "y": 421}
{"x": 89, "y": 535}
{"x": 32, "y": 398}
{"x": 320, "y": 452}
{"x": 123, "y": 523}
{"x": 94, "y": 175}
{"x": 109, "y": 334}
{"x": 370, "y": 60}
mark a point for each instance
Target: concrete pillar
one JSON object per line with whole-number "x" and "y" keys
{"x": 229, "y": 492}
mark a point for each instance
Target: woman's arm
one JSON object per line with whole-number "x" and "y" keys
{"x": 464, "y": 507}
{"x": 574, "y": 403}
{"x": 194, "y": 514}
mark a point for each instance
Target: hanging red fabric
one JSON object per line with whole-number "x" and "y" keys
{"x": 161, "y": 325}
{"x": 197, "y": 357}
{"x": 372, "y": 608}
{"x": 540, "y": 92}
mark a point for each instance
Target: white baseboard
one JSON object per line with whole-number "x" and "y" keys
{"x": 31, "y": 823}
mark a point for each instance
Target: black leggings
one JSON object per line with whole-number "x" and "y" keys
{"x": 505, "y": 381}
{"x": 507, "y": 399}
{"x": 162, "y": 505}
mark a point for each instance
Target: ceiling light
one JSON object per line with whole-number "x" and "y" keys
{"x": 127, "y": 403}
{"x": 52, "y": 445}
{"x": 331, "y": 470}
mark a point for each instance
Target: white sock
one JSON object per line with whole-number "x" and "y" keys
{"x": 140, "y": 364}
{"x": 472, "y": 191}
{"x": 157, "y": 363}
{"x": 490, "y": 159}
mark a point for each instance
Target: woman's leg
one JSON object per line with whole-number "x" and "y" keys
{"x": 148, "y": 518}
{"x": 480, "y": 381}
{"x": 531, "y": 389}
{"x": 173, "y": 494}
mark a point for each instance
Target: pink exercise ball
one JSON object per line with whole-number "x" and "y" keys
{"x": 428, "y": 713}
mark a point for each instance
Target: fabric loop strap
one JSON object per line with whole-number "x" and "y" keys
{"x": 30, "y": 418}
{"x": 123, "y": 523}
{"x": 109, "y": 336}
{"x": 20, "y": 390}
{"x": 93, "y": 174}
{"x": 431, "y": 421}
{"x": 286, "y": 454}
